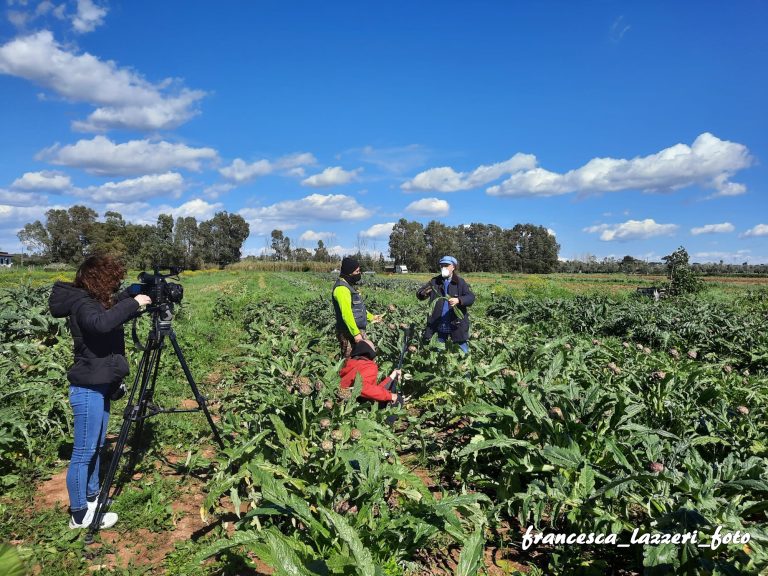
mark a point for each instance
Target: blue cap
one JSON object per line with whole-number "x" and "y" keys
{"x": 449, "y": 260}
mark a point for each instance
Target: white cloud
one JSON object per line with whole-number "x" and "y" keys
{"x": 759, "y": 230}
{"x": 378, "y": 231}
{"x": 241, "y": 171}
{"x": 713, "y": 229}
{"x": 145, "y": 213}
{"x": 725, "y": 188}
{"x": 551, "y": 232}
{"x": 43, "y": 181}
{"x": 14, "y": 198}
{"x": 20, "y": 215}
{"x": 143, "y": 188}
{"x": 334, "y": 176}
{"x": 216, "y": 190}
{"x": 289, "y": 214}
{"x": 632, "y": 230}
{"x": 124, "y": 99}
{"x": 446, "y": 179}
{"x": 88, "y": 16}
{"x": 708, "y": 162}
{"x": 312, "y": 236}
{"x": 429, "y": 207}
{"x": 340, "y": 251}
{"x": 136, "y": 157}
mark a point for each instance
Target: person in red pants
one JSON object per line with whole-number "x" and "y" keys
{"x": 362, "y": 362}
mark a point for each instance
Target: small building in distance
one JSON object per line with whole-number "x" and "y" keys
{"x": 6, "y": 261}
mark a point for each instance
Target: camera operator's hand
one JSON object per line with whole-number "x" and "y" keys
{"x": 358, "y": 337}
{"x": 396, "y": 374}
{"x": 143, "y": 299}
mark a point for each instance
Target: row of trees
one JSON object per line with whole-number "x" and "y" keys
{"x": 478, "y": 247}
{"x": 70, "y": 235}
{"x": 588, "y": 264}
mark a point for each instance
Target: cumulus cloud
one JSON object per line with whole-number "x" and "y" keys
{"x": 632, "y": 230}
{"x": 103, "y": 157}
{"x": 288, "y": 214}
{"x": 134, "y": 189}
{"x": 708, "y": 162}
{"x": 241, "y": 171}
{"x": 88, "y": 16}
{"x": 312, "y": 236}
{"x": 713, "y": 229}
{"x": 145, "y": 213}
{"x": 759, "y": 230}
{"x": 445, "y": 179}
{"x": 378, "y": 231}
{"x": 14, "y": 198}
{"x": 12, "y": 218}
{"x": 429, "y": 207}
{"x": 123, "y": 98}
{"x": 43, "y": 181}
{"x": 334, "y": 176}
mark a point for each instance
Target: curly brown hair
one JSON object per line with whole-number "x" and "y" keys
{"x": 100, "y": 276}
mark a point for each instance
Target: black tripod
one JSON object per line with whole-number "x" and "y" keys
{"x": 143, "y": 390}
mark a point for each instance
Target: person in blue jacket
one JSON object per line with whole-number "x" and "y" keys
{"x": 449, "y": 292}
{"x": 96, "y": 317}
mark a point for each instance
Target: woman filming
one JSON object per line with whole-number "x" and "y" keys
{"x": 96, "y": 318}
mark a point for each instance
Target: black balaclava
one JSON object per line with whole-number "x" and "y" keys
{"x": 349, "y": 265}
{"x": 363, "y": 350}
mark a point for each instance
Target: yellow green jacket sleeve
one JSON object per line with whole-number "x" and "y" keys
{"x": 343, "y": 296}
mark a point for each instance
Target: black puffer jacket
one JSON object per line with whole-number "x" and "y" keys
{"x": 99, "y": 340}
{"x": 457, "y": 288}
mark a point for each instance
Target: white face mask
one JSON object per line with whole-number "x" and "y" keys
{"x": 445, "y": 272}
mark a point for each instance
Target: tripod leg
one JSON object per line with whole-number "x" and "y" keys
{"x": 148, "y": 391}
{"x": 130, "y": 415}
{"x": 201, "y": 401}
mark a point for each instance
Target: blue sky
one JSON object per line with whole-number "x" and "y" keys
{"x": 624, "y": 128}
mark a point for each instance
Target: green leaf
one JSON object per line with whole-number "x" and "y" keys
{"x": 495, "y": 443}
{"x": 10, "y": 563}
{"x": 533, "y": 404}
{"x": 471, "y": 554}
{"x": 349, "y": 536}
{"x": 569, "y": 458}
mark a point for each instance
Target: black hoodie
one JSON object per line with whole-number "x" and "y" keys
{"x": 99, "y": 340}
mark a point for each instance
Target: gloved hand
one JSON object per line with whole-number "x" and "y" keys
{"x": 118, "y": 391}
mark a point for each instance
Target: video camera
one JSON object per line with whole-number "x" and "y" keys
{"x": 158, "y": 288}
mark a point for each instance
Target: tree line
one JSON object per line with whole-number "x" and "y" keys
{"x": 68, "y": 236}
{"x": 588, "y": 264}
{"x": 478, "y": 247}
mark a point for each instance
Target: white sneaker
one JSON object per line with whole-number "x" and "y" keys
{"x": 108, "y": 519}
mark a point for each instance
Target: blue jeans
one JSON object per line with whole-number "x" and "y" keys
{"x": 90, "y": 406}
{"x": 442, "y": 337}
